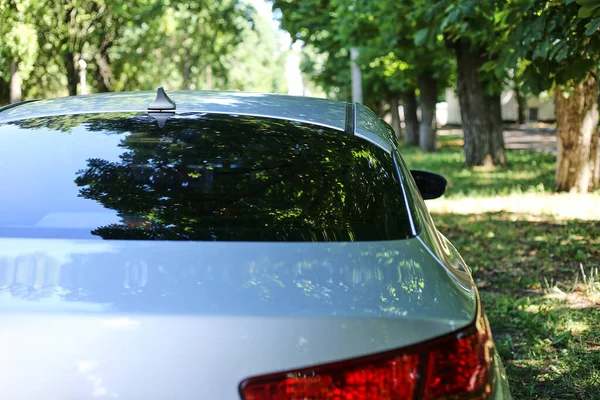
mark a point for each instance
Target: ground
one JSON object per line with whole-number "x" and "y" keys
{"x": 535, "y": 257}
{"x": 541, "y": 137}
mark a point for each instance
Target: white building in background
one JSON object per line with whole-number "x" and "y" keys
{"x": 539, "y": 108}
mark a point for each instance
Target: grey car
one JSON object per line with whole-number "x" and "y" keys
{"x": 224, "y": 245}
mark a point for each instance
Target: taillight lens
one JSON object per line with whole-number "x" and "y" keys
{"x": 386, "y": 378}
{"x": 456, "y": 366}
{"x": 460, "y": 366}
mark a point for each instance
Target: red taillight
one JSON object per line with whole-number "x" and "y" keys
{"x": 460, "y": 366}
{"x": 455, "y": 366}
{"x": 391, "y": 377}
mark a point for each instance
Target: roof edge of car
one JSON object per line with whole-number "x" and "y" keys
{"x": 17, "y": 104}
{"x": 176, "y": 112}
{"x": 351, "y": 118}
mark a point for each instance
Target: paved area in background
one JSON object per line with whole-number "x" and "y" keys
{"x": 516, "y": 138}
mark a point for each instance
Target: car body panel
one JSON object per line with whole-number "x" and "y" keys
{"x": 316, "y": 111}
{"x": 501, "y": 390}
{"x": 372, "y": 128}
{"x": 81, "y": 318}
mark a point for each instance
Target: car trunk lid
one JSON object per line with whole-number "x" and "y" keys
{"x": 130, "y": 319}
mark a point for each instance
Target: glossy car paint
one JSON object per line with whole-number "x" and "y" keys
{"x": 190, "y": 320}
{"x": 320, "y": 112}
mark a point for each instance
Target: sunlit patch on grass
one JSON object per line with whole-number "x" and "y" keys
{"x": 530, "y": 206}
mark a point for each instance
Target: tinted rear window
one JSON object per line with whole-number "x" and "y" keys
{"x": 201, "y": 177}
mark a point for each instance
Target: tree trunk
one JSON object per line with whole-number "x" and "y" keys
{"x": 104, "y": 76}
{"x": 15, "y": 82}
{"x": 578, "y": 163}
{"x": 428, "y": 100}
{"x": 521, "y": 105}
{"x": 381, "y": 109}
{"x": 396, "y": 126}
{"x": 83, "y": 77}
{"x": 72, "y": 74}
{"x": 494, "y": 106}
{"x": 480, "y": 112}
{"x": 356, "y": 76}
{"x": 187, "y": 66}
{"x": 4, "y": 92}
{"x": 411, "y": 122}
{"x": 209, "y": 80}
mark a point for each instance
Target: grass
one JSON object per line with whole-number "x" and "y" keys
{"x": 537, "y": 177}
{"x": 537, "y": 274}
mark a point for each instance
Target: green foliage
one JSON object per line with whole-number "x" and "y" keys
{"x": 327, "y": 60}
{"x": 461, "y": 19}
{"x": 19, "y": 40}
{"x": 471, "y": 21}
{"x": 589, "y": 9}
{"x": 256, "y": 64}
{"x": 138, "y": 44}
{"x": 415, "y": 47}
{"x": 383, "y": 34}
{"x": 547, "y": 42}
{"x": 199, "y": 35}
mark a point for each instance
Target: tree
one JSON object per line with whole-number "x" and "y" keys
{"x": 117, "y": 17}
{"x": 63, "y": 29}
{"x": 409, "y": 101}
{"x": 394, "y": 66}
{"x": 193, "y": 45}
{"x": 589, "y": 11}
{"x": 327, "y": 57}
{"x": 75, "y": 30}
{"x": 139, "y": 44}
{"x": 469, "y": 29}
{"x": 521, "y": 103}
{"x": 256, "y": 63}
{"x": 202, "y": 33}
{"x": 398, "y": 83}
{"x": 560, "y": 51}
{"x": 429, "y": 65}
{"x": 20, "y": 47}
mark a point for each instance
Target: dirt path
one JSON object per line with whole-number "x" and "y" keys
{"x": 516, "y": 138}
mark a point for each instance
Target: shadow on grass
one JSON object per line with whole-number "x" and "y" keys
{"x": 545, "y": 321}
{"x": 526, "y": 171}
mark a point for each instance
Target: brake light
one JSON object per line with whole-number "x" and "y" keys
{"x": 386, "y": 378}
{"x": 461, "y": 366}
{"x": 450, "y": 367}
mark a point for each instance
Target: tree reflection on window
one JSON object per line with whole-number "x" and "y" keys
{"x": 238, "y": 178}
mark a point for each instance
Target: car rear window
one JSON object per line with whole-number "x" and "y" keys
{"x": 200, "y": 177}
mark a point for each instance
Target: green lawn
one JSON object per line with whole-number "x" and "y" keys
{"x": 537, "y": 274}
{"x": 526, "y": 171}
